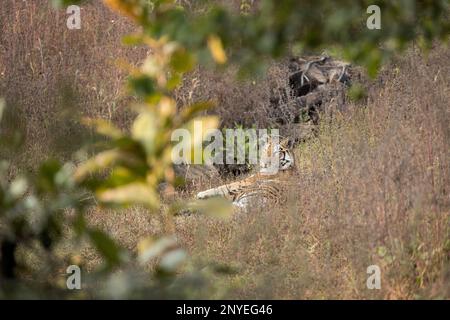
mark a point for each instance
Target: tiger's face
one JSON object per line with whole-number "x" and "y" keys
{"x": 276, "y": 156}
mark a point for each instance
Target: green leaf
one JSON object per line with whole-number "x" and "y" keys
{"x": 120, "y": 176}
{"x": 145, "y": 129}
{"x": 107, "y": 247}
{"x": 103, "y": 127}
{"x": 171, "y": 261}
{"x": 143, "y": 85}
{"x": 101, "y": 161}
{"x": 174, "y": 81}
{"x": 133, "y": 193}
{"x": 182, "y": 61}
{"x": 46, "y": 177}
{"x": 216, "y": 49}
{"x": 18, "y": 188}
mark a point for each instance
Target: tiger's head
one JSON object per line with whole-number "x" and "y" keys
{"x": 276, "y": 155}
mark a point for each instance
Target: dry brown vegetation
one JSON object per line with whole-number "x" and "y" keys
{"x": 50, "y": 76}
{"x": 372, "y": 188}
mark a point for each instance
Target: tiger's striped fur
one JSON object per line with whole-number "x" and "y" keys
{"x": 264, "y": 185}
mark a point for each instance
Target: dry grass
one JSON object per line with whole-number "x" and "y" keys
{"x": 50, "y": 76}
{"x": 372, "y": 188}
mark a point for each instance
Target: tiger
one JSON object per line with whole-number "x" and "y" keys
{"x": 265, "y": 184}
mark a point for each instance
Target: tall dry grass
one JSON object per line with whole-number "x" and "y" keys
{"x": 372, "y": 188}
{"x": 51, "y": 76}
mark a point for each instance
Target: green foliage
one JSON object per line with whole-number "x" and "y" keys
{"x": 32, "y": 212}
{"x": 274, "y": 26}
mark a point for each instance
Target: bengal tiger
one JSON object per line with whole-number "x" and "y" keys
{"x": 265, "y": 185}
